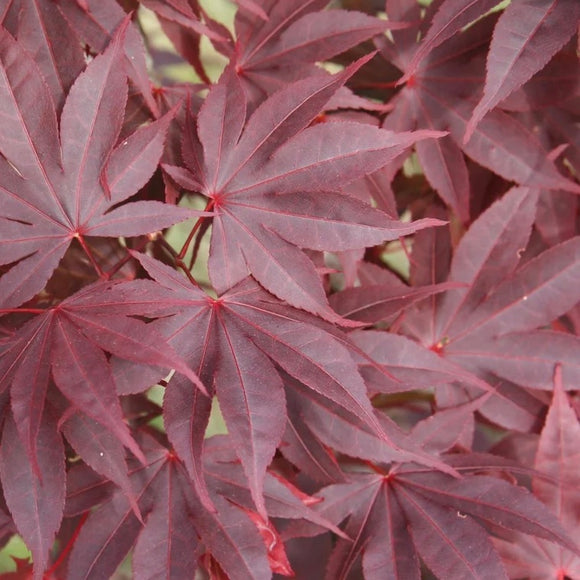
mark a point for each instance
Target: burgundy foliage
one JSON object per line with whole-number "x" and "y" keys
{"x": 382, "y": 421}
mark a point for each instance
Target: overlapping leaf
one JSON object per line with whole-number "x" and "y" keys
{"x": 463, "y": 351}
{"x": 557, "y": 457}
{"x": 443, "y": 75}
{"x": 39, "y": 25}
{"x": 526, "y": 37}
{"x": 251, "y": 333}
{"x": 270, "y": 182}
{"x": 178, "y": 529}
{"x": 295, "y": 32}
{"x": 55, "y": 189}
{"x": 395, "y": 519}
{"x": 268, "y": 35}
{"x": 67, "y": 345}
{"x": 502, "y": 301}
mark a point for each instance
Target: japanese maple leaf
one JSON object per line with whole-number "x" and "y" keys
{"x": 523, "y": 43}
{"x": 272, "y": 183}
{"x": 557, "y": 457}
{"x": 177, "y": 527}
{"x": 95, "y": 22}
{"x": 284, "y": 47}
{"x": 236, "y": 343}
{"x": 443, "y": 75}
{"x": 275, "y": 42}
{"x": 35, "y": 497}
{"x": 41, "y": 25}
{"x": 490, "y": 326}
{"x": 371, "y": 303}
{"x": 540, "y": 30}
{"x": 55, "y": 189}
{"x": 317, "y": 427}
{"x": 68, "y": 344}
{"x": 395, "y": 519}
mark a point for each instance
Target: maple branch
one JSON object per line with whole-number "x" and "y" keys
{"x": 91, "y": 257}
{"x": 110, "y": 273}
{"x": 197, "y": 245}
{"x": 28, "y": 310}
{"x": 194, "y": 229}
{"x": 178, "y": 260}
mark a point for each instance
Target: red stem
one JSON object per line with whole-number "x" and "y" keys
{"x": 62, "y": 556}
{"x": 197, "y": 244}
{"x": 178, "y": 261}
{"x": 29, "y": 310}
{"x": 194, "y": 229}
{"x": 89, "y": 253}
{"x": 123, "y": 261}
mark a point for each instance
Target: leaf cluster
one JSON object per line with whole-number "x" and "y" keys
{"x": 382, "y": 421}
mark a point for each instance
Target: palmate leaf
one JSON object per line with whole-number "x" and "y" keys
{"x": 52, "y": 189}
{"x": 298, "y": 33}
{"x": 271, "y": 181}
{"x": 35, "y": 497}
{"x": 68, "y": 343}
{"x": 468, "y": 325}
{"x": 389, "y": 417}
{"x": 443, "y": 75}
{"x": 488, "y": 327}
{"x": 529, "y": 299}
{"x": 541, "y": 29}
{"x": 267, "y": 35}
{"x": 393, "y": 519}
{"x": 557, "y": 457}
{"x": 251, "y": 333}
{"x": 178, "y": 529}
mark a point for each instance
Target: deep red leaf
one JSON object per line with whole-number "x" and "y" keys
{"x": 96, "y": 22}
{"x": 253, "y": 404}
{"x": 526, "y": 37}
{"x": 395, "y": 518}
{"x": 39, "y": 28}
{"x": 556, "y": 456}
{"x": 35, "y": 500}
{"x": 450, "y": 543}
{"x": 99, "y": 449}
{"x": 451, "y": 17}
{"x": 46, "y": 208}
{"x": 249, "y": 176}
{"x": 181, "y": 12}
{"x": 69, "y": 342}
{"x": 247, "y": 326}
{"x": 444, "y": 435}
{"x": 374, "y": 303}
{"x": 491, "y": 246}
{"x": 168, "y": 544}
{"x": 297, "y": 33}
